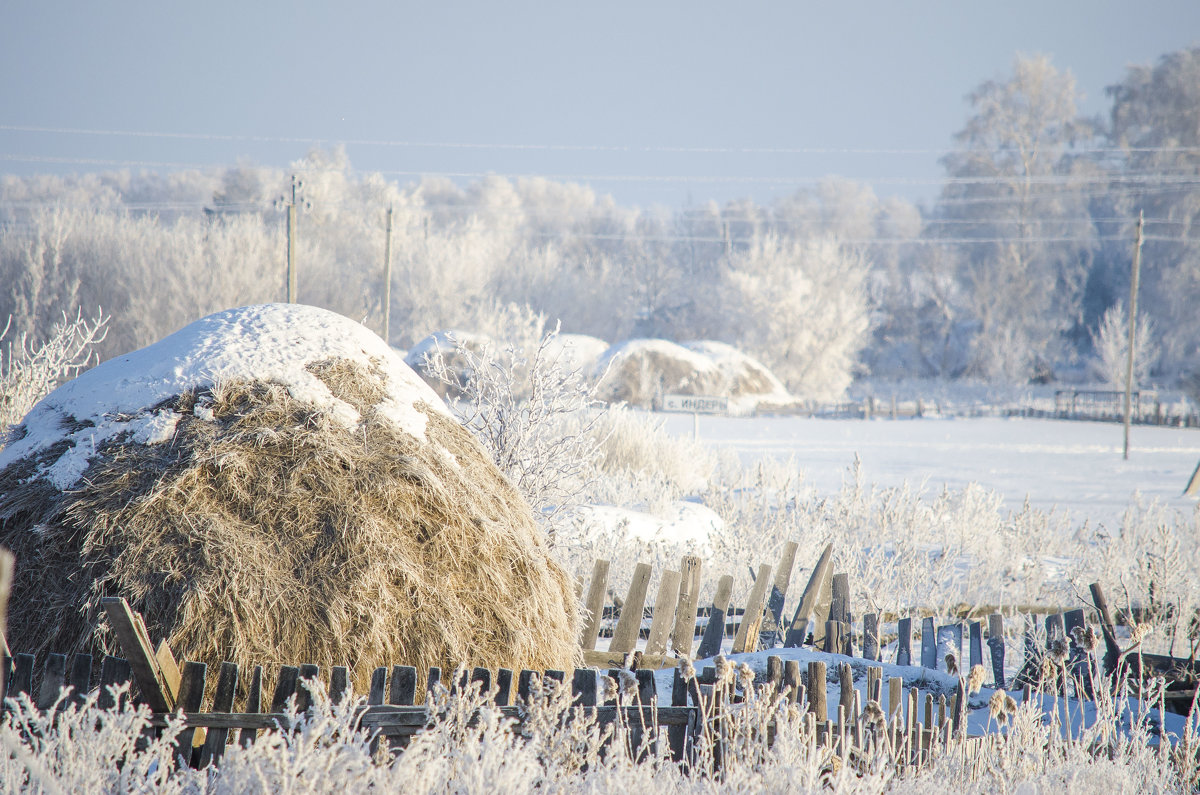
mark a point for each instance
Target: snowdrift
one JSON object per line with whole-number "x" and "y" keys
{"x": 272, "y": 484}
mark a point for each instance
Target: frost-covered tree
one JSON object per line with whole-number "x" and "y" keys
{"x": 800, "y": 307}
{"x": 1110, "y": 342}
{"x": 1156, "y": 123}
{"x": 1014, "y": 187}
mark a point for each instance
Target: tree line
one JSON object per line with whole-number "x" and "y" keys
{"x": 1017, "y": 271}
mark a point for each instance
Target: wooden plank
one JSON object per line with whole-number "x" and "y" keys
{"x": 21, "y": 679}
{"x": 816, "y": 691}
{"x": 995, "y": 642}
{"x": 308, "y": 678}
{"x": 504, "y": 681}
{"x": 54, "y": 676}
{"x": 594, "y": 606}
{"x": 191, "y": 698}
{"x": 625, "y": 636}
{"x": 746, "y": 639}
{"x": 773, "y": 618}
{"x": 685, "y": 611}
{"x": 339, "y": 684}
{"x": 612, "y": 659}
{"x": 81, "y": 677}
{"x": 253, "y": 705}
{"x": 214, "y": 744}
{"x": 875, "y": 684}
{"x": 525, "y": 685}
{"x": 165, "y": 659}
{"x": 584, "y": 687}
{"x": 895, "y": 695}
{"x": 871, "y": 637}
{"x": 664, "y": 613}
{"x": 285, "y": 687}
{"x": 792, "y": 681}
{"x": 839, "y": 609}
{"x": 432, "y": 679}
{"x": 904, "y": 642}
{"x": 833, "y": 637}
{"x": 976, "y": 634}
{"x": 148, "y": 673}
{"x": 714, "y": 632}
{"x": 403, "y": 691}
{"x": 113, "y": 671}
{"x": 378, "y": 687}
{"x": 928, "y": 645}
{"x": 484, "y": 677}
{"x": 846, "y": 688}
{"x": 816, "y": 594}
{"x": 1112, "y": 652}
{"x": 647, "y": 687}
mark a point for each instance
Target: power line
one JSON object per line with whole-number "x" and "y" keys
{"x": 802, "y": 150}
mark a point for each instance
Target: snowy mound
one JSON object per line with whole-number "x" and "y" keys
{"x": 747, "y": 380}
{"x": 449, "y": 345}
{"x": 577, "y": 351}
{"x": 272, "y": 342}
{"x": 640, "y": 372}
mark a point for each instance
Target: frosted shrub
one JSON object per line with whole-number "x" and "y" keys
{"x": 537, "y": 420}
{"x": 30, "y": 370}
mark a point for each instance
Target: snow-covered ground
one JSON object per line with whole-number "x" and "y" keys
{"x": 1074, "y": 466}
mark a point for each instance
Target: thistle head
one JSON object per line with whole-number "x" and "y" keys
{"x": 628, "y": 685}
{"x": 611, "y": 689}
{"x": 745, "y": 677}
{"x": 996, "y": 706}
{"x": 687, "y": 669}
{"x": 1059, "y": 651}
{"x": 975, "y": 679}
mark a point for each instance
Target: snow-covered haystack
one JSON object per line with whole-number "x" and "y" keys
{"x": 273, "y": 485}
{"x": 639, "y": 372}
{"x": 748, "y": 382}
{"x": 449, "y": 346}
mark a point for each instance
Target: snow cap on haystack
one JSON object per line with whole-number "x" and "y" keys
{"x": 641, "y": 371}
{"x": 272, "y": 484}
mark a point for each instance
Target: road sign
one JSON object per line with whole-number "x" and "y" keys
{"x": 696, "y": 404}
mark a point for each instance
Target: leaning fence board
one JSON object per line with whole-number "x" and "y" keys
{"x": 595, "y": 605}
{"x": 816, "y": 594}
{"x": 1112, "y": 652}
{"x": 773, "y": 618}
{"x": 625, "y": 636}
{"x": 685, "y": 612}
{"x": 135, "y": 643}
{"x": 714, "y": 633}
{"x": 664, "y": 613}
{"x": 746, "y": 639}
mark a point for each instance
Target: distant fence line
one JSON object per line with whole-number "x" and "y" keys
{"x": 1091, "y": 405}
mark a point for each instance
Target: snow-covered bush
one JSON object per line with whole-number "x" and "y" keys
{"x": 31, "y": 370}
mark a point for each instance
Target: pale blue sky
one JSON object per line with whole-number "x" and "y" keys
{"x": 643, "y": 78}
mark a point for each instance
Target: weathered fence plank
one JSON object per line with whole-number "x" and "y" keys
{"x": 113, "y": 671}
{"x": 625, "y": 636}
{"x": 814, "y": 602}
{"x": 746, "y": 639}
{"x": 928, "y": 645}
{"x": 152, "y": 681}
{"x": 594, "y": 605}
{"x": 995, "y": 643}
{"x": 54, "y": 676}
{"x": 689, "y": 600}
{"x": 664, "y": 613}
{"x": 871, "y": 637}
{"x": 214, "y": 744}
{"x": 904, "y": 641}
{"x": 191, "y": 699}
{"x": 714, "y": 632}
{"x": 773, "y": 620}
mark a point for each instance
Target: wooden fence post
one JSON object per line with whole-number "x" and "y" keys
{"x": 685, "y": 612}
{"x": 663, "y": 620}
{"x": 817, "y": 691}
{"x": 995, "y": 644}
{"x": 594, "y": 605}
{"x": 814, "y": 600}
{"x": 714, "y": 631}
{"x": 928, "y": 645}
{"x": 773, "y": 619}
{"x": 747, "y": 635}
{"x": 625, "y": 636}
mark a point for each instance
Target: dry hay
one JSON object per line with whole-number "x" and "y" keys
{"x": 268, "y": 532}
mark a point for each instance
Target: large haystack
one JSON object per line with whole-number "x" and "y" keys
{"x": 748, "y": 382}
{"x": 273, "y": 485}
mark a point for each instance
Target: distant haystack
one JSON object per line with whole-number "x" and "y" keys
{"x": 639, "y": 372}
{"x": 449, "y": 345}
{"x": 271, "y": 484}
{"x": 748, "y": 382}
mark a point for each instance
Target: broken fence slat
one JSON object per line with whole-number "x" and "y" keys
{"x": 664, "y": 614}
{"x": 135, "y": 643}
{"x": 684, "y": 633}
{"x": 815, "y": 594}
{"x": 594, "y": 605}
{"x": 746, "y": 639}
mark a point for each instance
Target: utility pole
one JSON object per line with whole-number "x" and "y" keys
{"x": 1133, "y": 297}
{"x": 387, "y": 276}
{"x": 291, "y": 244}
